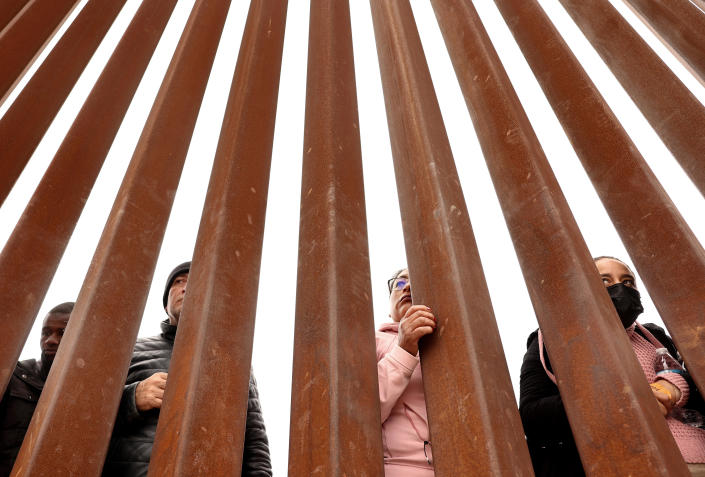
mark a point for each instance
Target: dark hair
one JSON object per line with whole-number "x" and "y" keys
{"x": 64, "y": 309}
{"x": 609, "y": 257}
{"x": 396, "y": 274}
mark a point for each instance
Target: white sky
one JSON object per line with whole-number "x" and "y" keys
{"x": 276, "y": 299}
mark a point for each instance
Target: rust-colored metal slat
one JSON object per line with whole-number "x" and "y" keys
{"x": 559, "y": 272}
{"x": 202, "y": 422}
{"x": 22, "y": 40}
{"x": 90, "y": 368}
{"x": 24, "y": 124}
{"x": 9, "y": 9}
{"x": 335, "y": 425}
{"x": 32, "y": 253}
{"x": 680, "y": 25}
{"x": 474, "y": 422}
{"x": 648, "y": 223}
{"x": 671, "y": 109}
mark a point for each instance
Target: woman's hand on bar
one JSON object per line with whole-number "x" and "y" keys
{"x": 418, "y": 321}
{"x": 150, "y": 392}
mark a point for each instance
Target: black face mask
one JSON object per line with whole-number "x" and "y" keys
{"x": 627, "y": 301}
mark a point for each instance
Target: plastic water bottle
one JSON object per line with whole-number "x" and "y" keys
{"x": 665, "y": 363}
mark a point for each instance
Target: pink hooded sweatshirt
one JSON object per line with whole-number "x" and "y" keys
{"x": 405, "y": 434}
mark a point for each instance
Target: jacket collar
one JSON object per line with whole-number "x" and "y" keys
{"x": 29, "y": 371}
{"x": 168, "y": 330}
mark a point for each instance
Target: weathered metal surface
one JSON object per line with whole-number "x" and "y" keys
{"x": 335, "y": 425}
{"x": 671, "y": 109}
{"x": 202, "y": 422}
{"x": 9, "y": 9}
{"x": 32, "y": 253}
{"x": 24, "y": 39}
{"x": 646, "y": 219}
{"x": 681, "y": 26}
{"x": 559, "y": 272}
{"x": 87, "y": 376}
{"x": 25, "y": 122}
{"x": 474, "y": 422}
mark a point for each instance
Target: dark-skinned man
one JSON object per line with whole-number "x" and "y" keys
{"x": 25, "y": 386}
{"x": 136, "y": 425}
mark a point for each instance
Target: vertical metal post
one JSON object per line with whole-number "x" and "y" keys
{"x": 474, "y": 422}
{"x": 32, "y": 253}
{"x": 671, "y": 109}
{"x": 680, "y": 25}
{"x": 201, "y": 427}
{"x": 24, "y": 124}
{"x": 9, "y": 9}
{"x": 646, "y": 219}
{"x": 25, "y": 37}
{"x": 335, "y": 414}
{"x": 559, "y": 272}
{"x": 90, "y": 368}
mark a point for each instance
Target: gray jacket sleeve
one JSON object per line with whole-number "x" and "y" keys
{"x": 127, "y": 412}
{"x": 255, "y": 455}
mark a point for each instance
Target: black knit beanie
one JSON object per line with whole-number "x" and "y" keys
{"x": 183, "y": 268}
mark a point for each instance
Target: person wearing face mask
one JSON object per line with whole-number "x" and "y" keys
{"x": 405, "y": 434}
{"x": 550, "y": 440}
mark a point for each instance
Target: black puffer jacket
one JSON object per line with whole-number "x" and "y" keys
{"x": 131, "y": 444}
{"x": 548, "y": 434}
{"x": 16, "y": 410}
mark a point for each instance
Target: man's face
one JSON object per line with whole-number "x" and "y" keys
{"x": 400, "y": 298}
{"x": 52, "y": 332}
{"x": 175, "y": 301}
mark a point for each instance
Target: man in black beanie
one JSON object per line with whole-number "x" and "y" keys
{"x": 25, "y": 386}
{"x": 136, "y": 425}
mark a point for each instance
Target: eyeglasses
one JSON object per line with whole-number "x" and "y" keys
{"x": 398, "y": 283}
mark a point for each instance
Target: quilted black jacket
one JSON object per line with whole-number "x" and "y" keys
{"x": 548, "y": 434}
{"x": 131, "y": 444}
{"x": 16, "y": 409}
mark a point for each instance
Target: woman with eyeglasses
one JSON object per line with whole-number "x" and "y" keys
{"x": 551, "y": 444}
{"x": 405, "y": 434}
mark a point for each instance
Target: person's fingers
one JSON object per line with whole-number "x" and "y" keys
{"x": 661, "y": 396}
{"x": 421, "y": 321}
{"x": 424, "y": 330}
{"x": 418, "y": 314}
{"x": 415, "y": 309}
{"x": 418, "y": 309}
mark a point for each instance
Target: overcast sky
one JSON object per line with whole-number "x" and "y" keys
{"x": 275, "y": 314}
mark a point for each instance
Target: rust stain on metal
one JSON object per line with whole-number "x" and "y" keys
{"x": 210, "y": 368}
{"x": 335, "y": 411}
{"x": 109, "y": 306}
{"x": 680, "y": 26}
{"x": 562, "y": 282}
{"x": 43, "y": 231}
{"x": 30, "y": 115}
{"x": 646, "y": 219}
{"x": 671, "y": 109}
{"x": 474, "y": 422}
{"x": 9, "y": 9}
{"x": 25, "y": 37}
